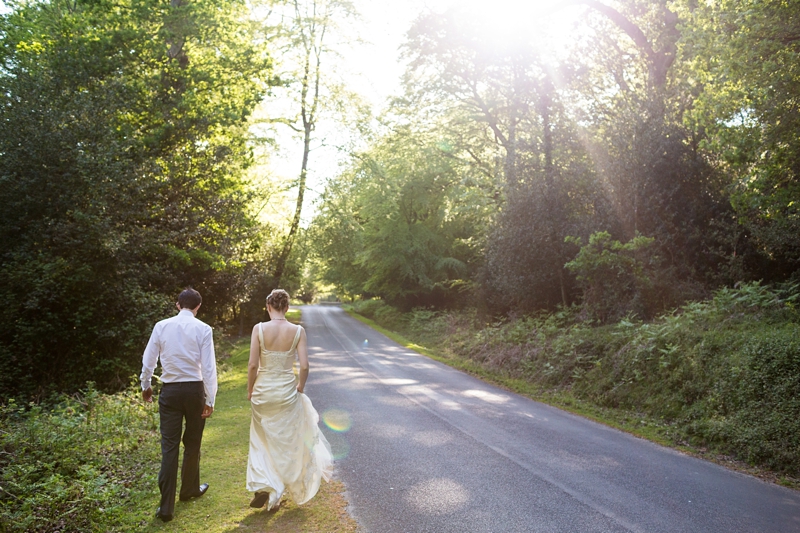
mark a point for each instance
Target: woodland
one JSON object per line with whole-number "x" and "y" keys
{"x": 648, "y": 164}
{"x": 652, "y": 161}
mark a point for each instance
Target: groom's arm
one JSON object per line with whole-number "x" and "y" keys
{"x": 149, "y": 360}
{"x": 208, "y": 367}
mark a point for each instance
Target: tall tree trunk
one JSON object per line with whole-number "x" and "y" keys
{"x": 280, "y": 265}
{"x": 312, "y": 43}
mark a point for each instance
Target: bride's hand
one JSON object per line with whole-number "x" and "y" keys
{"x": 299, "y": 390}
{"x": 249, "y": 395}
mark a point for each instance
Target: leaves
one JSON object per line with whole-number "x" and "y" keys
{"x": 122, "y": 178}
{"x": 401, "y": 223}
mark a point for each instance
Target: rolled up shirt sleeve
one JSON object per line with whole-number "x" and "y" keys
{"x": 149, "y": 359}
{"x": 208, "y": 364}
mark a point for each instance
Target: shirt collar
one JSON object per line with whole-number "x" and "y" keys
{"x": 186, "y": 312}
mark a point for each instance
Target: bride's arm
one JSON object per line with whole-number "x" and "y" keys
{"x": 252, "y": 364}
{"x": 302, "y": 356}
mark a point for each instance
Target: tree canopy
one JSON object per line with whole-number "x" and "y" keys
{"x": 122, "y": 157}
{"x": 672, "y": 122}
{"x": 649, "y": 159}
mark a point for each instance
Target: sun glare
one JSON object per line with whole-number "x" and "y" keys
{"x": 372, "y": 65}
{"x": 548, "y": 23}
{"x": 502, "y": 14}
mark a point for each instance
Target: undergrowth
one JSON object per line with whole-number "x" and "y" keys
{"x": 722, "y": 374}
{"x": 78, "y": 464}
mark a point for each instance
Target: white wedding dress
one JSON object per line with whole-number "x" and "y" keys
{"x": 288, "y": 452}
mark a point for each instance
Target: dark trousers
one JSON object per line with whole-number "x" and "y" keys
{"x": 176, "y": 402}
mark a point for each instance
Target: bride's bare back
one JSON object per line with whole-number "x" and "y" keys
{"x": 278, "y": 335}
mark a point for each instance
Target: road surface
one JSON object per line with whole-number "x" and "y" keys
{"x": 422, "y": 447}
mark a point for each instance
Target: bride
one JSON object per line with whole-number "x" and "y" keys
{"x": 288, "y": 452}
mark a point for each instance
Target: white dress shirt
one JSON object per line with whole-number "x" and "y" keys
{"x": 186, "y": 348}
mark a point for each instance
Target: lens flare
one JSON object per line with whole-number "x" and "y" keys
{"x": 337, "y": 420}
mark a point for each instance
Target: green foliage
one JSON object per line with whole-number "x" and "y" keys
{"x": 123, "y": 138}
{"x": 722, "y": 373}
{"x": 368, "y": 308}
{"x": 663, "y": 187}
{"x": 507, "y": 93}
{"x": 403, "y": 223}
{"x": 525, "y": 254}
{"x": 77, "y": 466}
{"x": 379, "y": 311}
{"x": 574, "y": 141}
{"x": 747, "y": 56}
{"x": 756, "y": 402}
{"x": 614, "y": 277}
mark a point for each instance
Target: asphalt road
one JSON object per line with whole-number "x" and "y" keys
{"x": 422, "y": 447}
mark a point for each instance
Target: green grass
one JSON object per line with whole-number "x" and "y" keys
{"x": 88, "y": 463}
{"x": 225, "y": 507}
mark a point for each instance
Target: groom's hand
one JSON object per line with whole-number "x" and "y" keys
{"x": 207, "y": 410}
{"x": 147, "y": 394}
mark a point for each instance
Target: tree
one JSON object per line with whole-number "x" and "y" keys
{"x": 658, "y": 181}
{"x": 514, "y": 89}
{"x": 748, "y": 59}
{"x": 121, "y": 180}
{"x": 402, "y": 222}
{"x": 304, "y": 31}
{"x": 451, "y": 65}
{"x": 659, "y": 51}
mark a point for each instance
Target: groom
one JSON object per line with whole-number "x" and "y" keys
{"x": 185, "y": 346}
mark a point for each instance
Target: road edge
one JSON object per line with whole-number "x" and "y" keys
{"x": 608, "y": 417}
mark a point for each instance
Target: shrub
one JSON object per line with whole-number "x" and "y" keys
{"x": 389, "y": 317}
{"x": 426, "y": 324}
{"x": 368, "y": 308}
{"x": 612, "y": 275}
{"x": 77, "y": 466}
{"x": 630, "y": 279}
{"x": 381, "y": 312}
{"x": 756, "y": 411}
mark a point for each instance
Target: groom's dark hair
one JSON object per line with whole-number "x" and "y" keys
{"x": 189, "y": 299}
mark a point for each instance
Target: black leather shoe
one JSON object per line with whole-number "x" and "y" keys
{"x": 163, "y": 517}
{"x": 200, "y": 491}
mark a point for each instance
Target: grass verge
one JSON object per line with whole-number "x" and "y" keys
{"x": 88, "y": 463}
{"x": 225, "y": 507}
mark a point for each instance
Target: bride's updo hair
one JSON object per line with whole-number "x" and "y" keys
{"x": 278, "y": 300}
